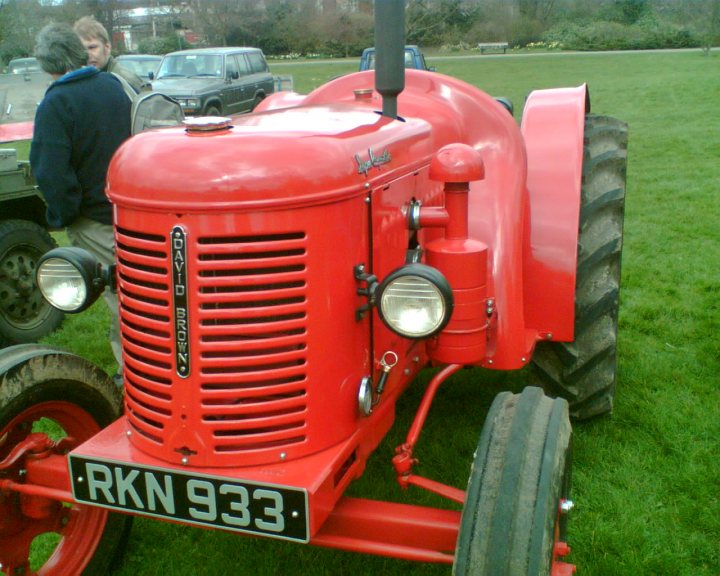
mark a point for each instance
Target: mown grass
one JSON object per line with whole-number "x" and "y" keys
{"x": 647, "y": 479}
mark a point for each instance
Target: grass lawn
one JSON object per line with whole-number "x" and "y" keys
{"x": 646, "y": 481}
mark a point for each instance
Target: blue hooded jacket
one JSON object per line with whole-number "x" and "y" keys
{"x": 80, "y": 123}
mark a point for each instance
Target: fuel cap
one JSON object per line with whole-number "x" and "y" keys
{"x": 207, "y": 123}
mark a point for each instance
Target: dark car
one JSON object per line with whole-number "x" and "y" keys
{"x": 144, "y": 65}
{"x": 215, "y": 81}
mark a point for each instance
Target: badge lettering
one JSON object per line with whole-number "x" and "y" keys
{"x": 364, "y": 166}
{"x": 178, "y": 241}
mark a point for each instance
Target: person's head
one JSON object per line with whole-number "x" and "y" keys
{"x": 95, "y": 39}
{"x": 59, "y": 50}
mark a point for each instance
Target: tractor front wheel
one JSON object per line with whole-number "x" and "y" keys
{"x": 514, "y": 519}
{"x": 65, "y": 398}
{"x": 584, "y": 371}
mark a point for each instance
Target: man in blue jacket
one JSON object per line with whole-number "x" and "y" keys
{"x": 81, "y": 121}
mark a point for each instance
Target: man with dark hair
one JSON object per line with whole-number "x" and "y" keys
{"x": 81, "y": 121}
{"x": 96, "y": 40}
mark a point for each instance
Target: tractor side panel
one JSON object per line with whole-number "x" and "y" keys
{"x": 553, "y": 129}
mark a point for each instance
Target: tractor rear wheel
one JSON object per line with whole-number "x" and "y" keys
{"x": 514, "y": 518}
{"x": 64, "y": 398}
{"x": 584, "y": 371}
{"x": 25, "y": 316}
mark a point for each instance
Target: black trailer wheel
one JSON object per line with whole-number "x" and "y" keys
{"x": 584, "y": 372}
{"x": 25, "y": 316}
{"x": 513, "y": 522}
{"x": 63, "y": 397}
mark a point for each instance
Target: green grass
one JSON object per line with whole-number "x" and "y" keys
{"x": 647, "y": 479}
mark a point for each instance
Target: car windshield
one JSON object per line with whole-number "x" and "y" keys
{"x": 408, "y": 60}
{"x": 140, "y": 66}
{"x": 188, "y": 65}
{"x": 23, "y": 65}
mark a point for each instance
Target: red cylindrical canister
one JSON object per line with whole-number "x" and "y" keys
{"x": 464, "y": 264}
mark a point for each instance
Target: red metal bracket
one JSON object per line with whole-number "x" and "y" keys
{"x": 404, "y": 461}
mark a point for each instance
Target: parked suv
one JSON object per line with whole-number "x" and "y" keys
{"x": 215, "y": 81}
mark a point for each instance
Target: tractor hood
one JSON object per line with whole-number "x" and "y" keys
{"x": 291, "y": 157}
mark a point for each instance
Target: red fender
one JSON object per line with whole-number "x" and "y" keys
{"x": 279, "y": 100}
{"x": 553, "y": 129}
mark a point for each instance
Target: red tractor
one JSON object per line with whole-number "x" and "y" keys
{"x": 283, "y": 277}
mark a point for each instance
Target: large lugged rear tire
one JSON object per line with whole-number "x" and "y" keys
{"x": 584, "y": 371}
{"x": 49, "y": 392}
{"x": 25, "y": 316}
{"x": 512, "y": 524}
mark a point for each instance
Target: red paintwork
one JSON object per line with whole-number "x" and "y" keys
{"x": 278, "y": 211}
{"x": 39, "y": 511}
{"x": 16, "y": 131}
{"x": 553, "y": 128}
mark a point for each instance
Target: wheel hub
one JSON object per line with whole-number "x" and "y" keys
{"x": 20, "y": 302}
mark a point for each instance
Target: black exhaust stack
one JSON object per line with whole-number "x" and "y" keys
{"x": 389, "y": 52}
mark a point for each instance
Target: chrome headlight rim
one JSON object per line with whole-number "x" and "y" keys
{"x": 432, "y": 277}
{"x": 81, "y": 266}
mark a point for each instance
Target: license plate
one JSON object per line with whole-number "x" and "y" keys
{"x": 256, "y": 508}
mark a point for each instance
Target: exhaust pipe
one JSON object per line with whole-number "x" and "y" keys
{"x": 389, "y": 52}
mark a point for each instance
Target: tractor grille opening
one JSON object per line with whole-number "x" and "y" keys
{"x": 247, "y": 308}
{"x": 253, "y": 340}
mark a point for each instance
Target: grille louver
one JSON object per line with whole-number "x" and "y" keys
{"x": 248, "y": 324}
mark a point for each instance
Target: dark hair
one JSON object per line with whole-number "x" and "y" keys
{"x": 59, "y": 49}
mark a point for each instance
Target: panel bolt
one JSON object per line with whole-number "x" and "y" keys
{"x": 184, "y": 460}
{"x": 128, "y": 433}
{"x": 283, "y": 455}
{"x": 80, "y": 479}
{"x": 295, "y": 514}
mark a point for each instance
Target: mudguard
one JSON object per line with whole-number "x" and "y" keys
{"x": 553, "y": 129}
{"x": 53, "y": 362}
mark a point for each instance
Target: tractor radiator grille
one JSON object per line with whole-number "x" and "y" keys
{"x": 247, "y": 323}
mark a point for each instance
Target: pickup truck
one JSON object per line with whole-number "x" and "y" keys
{"x": 413, "y": 59}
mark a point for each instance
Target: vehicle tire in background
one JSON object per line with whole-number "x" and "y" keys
{"x": 25, "y": 316}
{"x": 212, "y": 111}
{"x": 259, "y": 98}
{"x": 584, "y": 371}
{"x": 514, "y": 519}
{"x": 46, "y": 392}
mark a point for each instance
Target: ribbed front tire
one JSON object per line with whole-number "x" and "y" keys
{"x": 511, "y": 523}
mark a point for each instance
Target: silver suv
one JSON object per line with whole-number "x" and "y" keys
{"x": 215, "y": 81}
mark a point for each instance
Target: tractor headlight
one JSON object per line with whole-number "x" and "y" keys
{"x": 415, "y": 301}
{"x": 70, "y": 279}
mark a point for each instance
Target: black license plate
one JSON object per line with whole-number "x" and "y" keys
{"x": 256, "y": 508}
